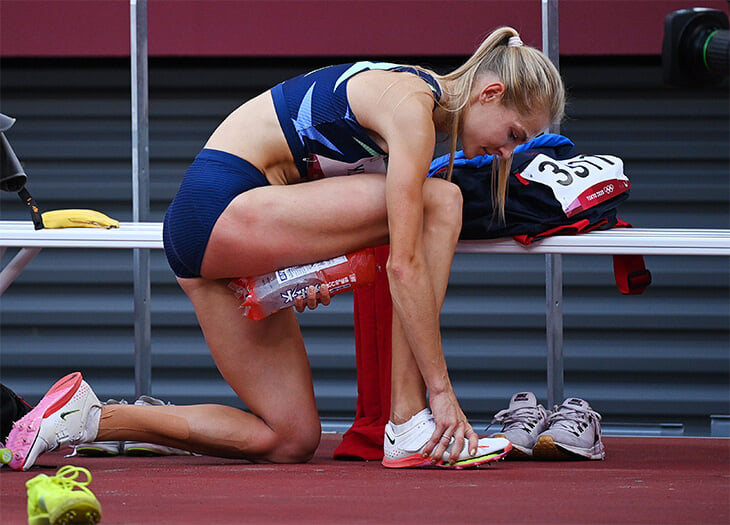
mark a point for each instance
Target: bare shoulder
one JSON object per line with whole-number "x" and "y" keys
{"x": 383, "y": 100}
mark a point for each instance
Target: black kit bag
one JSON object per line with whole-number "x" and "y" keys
{"x": 552, "y": 190}
{"x": 12, "y": 408}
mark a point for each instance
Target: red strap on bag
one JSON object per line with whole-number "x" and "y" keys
{"x": 630, "y": 272}
{"x": 632, "y": 277}
{"x": 581, "y": 226}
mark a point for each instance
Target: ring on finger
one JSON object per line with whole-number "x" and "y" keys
{"x": 444, "y": 436}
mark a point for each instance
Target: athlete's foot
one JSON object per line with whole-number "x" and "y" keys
{"x": 67, "y": 415}
{"x": 404, "y": 445}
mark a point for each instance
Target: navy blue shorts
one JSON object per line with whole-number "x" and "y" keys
{"x": 212, "y": 181}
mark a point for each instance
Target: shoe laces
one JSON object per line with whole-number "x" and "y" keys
{"x": 574, "y": 420}
{"x": 66, "y": 478}
{"x": 522, "y": 418}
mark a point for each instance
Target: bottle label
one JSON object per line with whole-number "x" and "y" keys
{"x": 288, "y": 274}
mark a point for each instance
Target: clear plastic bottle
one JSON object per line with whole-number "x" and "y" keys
{"x": 274, "y": 291}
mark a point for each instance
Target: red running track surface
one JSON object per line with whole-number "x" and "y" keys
{"x": 642, "y": 480}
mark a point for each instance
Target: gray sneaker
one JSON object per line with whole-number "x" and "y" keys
{"x": 521, "y": 423}
{"x": 574, "y": 432}
{"x": 137, "y": 448}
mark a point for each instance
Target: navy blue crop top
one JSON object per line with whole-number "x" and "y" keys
{"x": 321, "y": 131}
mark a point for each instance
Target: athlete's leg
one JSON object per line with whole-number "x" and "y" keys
{"x": 441, "y": 228}
{"x": 273, "y": 227}
{"x": 266, "y": 365}
{"x": 263, "y": 361}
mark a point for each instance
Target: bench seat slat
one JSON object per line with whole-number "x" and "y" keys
{"x": 638, "y": 241}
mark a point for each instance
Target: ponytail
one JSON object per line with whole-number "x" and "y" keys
{"x": 532, "y": 84}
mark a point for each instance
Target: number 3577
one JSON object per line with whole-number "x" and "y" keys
{"x": 581, "y": 167}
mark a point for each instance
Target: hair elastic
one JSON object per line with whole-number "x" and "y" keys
{"x": 514, "y": 41}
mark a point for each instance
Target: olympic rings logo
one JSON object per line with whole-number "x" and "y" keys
{"x": 608, "y": 188}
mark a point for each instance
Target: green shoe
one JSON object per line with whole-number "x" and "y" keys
{"x": 54, "y": 500}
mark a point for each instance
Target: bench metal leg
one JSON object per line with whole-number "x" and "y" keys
{"x": 141, "y": 195}
{"x": 554, "y": 322}
{"x": 16, "y": 266}
{"x": 142, "y": 323}
{"x": 553, "y": 262}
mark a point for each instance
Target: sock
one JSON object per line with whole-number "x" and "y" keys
{"x": 92, "y": 424}
{"x": 415, "y": 420}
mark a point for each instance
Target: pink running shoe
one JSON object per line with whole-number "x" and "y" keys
{"x": 60, "y": 419}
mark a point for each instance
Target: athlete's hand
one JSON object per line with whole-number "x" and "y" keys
{"x": 313, "y": 298}
{"x": 451, "y": 424}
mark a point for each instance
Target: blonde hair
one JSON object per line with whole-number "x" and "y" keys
{"x": 532, "y": 84}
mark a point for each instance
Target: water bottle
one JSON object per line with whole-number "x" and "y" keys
{"x": 274, "y": 291}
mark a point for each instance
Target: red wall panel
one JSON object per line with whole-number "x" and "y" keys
{"x": 327, "y": 27}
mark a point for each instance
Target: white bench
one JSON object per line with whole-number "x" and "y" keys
{"x": 638, "y": 241}
{"x": 631, "y": 241}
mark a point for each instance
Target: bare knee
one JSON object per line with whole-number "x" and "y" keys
{"x": 296, "y": 444}
{"x": 443, "y": 204}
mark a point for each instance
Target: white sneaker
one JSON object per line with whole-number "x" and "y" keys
{"x": 522, "y": 422}
{"x": 574, "y": 432}
{"x": 403, "y": 446}
{"x": 102, "y": 448}
{"x": 67, "y": 415}
{"x": 138, "y": 448}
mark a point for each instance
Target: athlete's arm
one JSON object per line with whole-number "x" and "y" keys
{"x": 402, "y": 116}
{"x": 410, "y": 143}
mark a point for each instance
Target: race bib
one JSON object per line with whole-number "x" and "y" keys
{"x": 581, "y": 182}
{"x": 319, "y": 167}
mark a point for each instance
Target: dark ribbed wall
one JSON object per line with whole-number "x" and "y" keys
{"x": 657, "y": 358}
